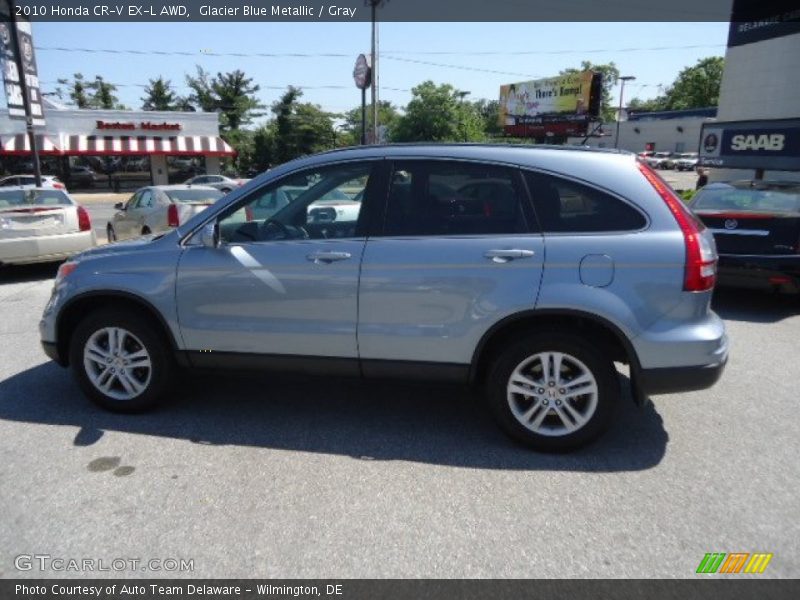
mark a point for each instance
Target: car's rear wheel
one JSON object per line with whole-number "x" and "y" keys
{"x": 120, "y": 361}
{"x": 111, "y": 234}
{"x": 553, "y": 392}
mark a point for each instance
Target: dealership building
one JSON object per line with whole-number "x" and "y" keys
{"x": 118, "y": 149}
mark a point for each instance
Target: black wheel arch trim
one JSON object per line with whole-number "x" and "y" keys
{"x": 630, "y": 351}
{"x": 179, "y": 355}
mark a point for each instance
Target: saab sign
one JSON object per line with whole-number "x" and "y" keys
{"x": 773, "y": 145}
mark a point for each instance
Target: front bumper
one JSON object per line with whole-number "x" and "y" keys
{"x": 51, "y": 350}
{"x": 775, "y": 273}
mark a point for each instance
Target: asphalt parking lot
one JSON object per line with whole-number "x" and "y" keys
{"x": 264, "y": 476}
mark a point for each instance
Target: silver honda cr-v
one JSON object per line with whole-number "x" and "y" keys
{"x": 528, "y": 271}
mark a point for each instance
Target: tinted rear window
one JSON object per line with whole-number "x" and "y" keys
{"x": 564, "y": 206}
{"x": 194, "y": 195}
{"x": 733, "y": 198}
{"x": 33, "y": 198}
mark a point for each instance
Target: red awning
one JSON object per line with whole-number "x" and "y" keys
{"x": 19, "y": 144}
{"x": 123, "y": 145}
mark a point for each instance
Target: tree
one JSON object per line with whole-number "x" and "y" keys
{"x": 160, "y": 96}
{"x": 636, "y": 104}
{"x": 610, "y": 74}
{"x": 232, "y": 94}
{"x": 299, "y": 128}
{"x": 437, "y": 113}
{"x": 696, "y": 86}
{"x": 77, "y": 90}
{"x": 103, "y": 94}
{"x": 387, "y": 115}
{"x": 489, "y": 111}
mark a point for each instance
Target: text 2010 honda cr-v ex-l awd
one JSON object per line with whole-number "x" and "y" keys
{"x": 528, "y": 271}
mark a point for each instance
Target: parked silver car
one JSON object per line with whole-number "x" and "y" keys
{"x": 42, "y": 225}
{"x": 220, "y": 182}
{"x": 158, "y": 208}
{"x": 526, "y": 271}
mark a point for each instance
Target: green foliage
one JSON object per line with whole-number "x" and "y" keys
{"x": 159, "y": 95}
{"x": 299, "y": 128}
{"x": 438, "y": 113}
{"x": 351, "y": 128}
{"x": 694, "y": 87}
{"x": 232, "y": 94}
{"x": 92, "y": 94}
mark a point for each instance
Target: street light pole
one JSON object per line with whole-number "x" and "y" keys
{"x": 623, "y": 79}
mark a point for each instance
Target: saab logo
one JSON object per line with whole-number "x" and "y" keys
{"x": 772, "y": 142}
{"x": 736, "y": 562}
{"x": 710, "y": 143}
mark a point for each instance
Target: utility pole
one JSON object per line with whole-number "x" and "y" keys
{"x": 26, "y": 100}
{"x": 374, "y": 90}
{"x": 623, "y": 79}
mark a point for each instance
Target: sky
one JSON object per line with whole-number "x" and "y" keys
{"x": 652, "y": 52}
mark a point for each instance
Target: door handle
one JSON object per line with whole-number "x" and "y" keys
{"x": 503, "y": 256}
{"x": 326, "y": 258}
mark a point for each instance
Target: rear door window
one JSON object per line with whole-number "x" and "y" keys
{"x": 564, "y": 206}
{"x": 441, "y": 198}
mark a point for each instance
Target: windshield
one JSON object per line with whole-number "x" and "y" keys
{"x": 194, "y": 195}
{"x": 784, "y": 199}
{"x": 12, "y": 198}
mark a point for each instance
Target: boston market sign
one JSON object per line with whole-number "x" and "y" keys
{"x": 144, "y": 125}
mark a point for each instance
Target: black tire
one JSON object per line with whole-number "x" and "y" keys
{"x": 144, "y": 329}
{"x": 111, "y": 236}
{"x": 601, "y": 368}
{"x": 225, "y": 190}
{"x": 146, "y": 231}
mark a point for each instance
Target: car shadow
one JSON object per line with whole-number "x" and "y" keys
{"x": 754, "y": 306}
{"x": 28, "y": 273}
{"x": 443, "y": 425}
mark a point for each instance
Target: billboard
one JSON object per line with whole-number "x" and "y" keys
{"x": 559, "y": 106}
{"x": 11, "y": 75}
{"x": 771, "y": 144}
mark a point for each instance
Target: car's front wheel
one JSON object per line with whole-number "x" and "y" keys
{"x": 120, "y": 361}
{"x": 553, "y": 392}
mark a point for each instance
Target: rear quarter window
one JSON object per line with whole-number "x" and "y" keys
{"x": 564, "y": 206}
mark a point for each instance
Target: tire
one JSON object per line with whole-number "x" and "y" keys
{"x": 548, "y": 414}
{"x": 141, "y": 388}
{"x": 225, "y": 190}
{"x": 110, "y": 235}
{"x": 146, "y": 231}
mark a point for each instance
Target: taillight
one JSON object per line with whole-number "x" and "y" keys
{"x": 58, "y": 186}
{"x": 84, "y": 222}
{"x": 700, "y": 272}
{"x": 172, "y": 216}
{"x": 65, "y": 269}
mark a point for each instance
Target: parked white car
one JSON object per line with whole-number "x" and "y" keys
{"x": 42, "y": 225}
{"x": 686, "y": 161}
{"x": 159, "y": 208}
{"x": 48, "y": 181}
{"x": 220, "y": 182}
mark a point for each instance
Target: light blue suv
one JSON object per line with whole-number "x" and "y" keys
{"x": 528, "y": 271}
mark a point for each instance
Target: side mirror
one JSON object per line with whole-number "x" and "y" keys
{"x": 119, "y": 206}
{"x": 209, "y": 235}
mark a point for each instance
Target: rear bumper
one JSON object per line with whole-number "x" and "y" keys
{"x": 776, "y": 273}
{"x": 48, "y": 248}
{"x": 673, "y": 380}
